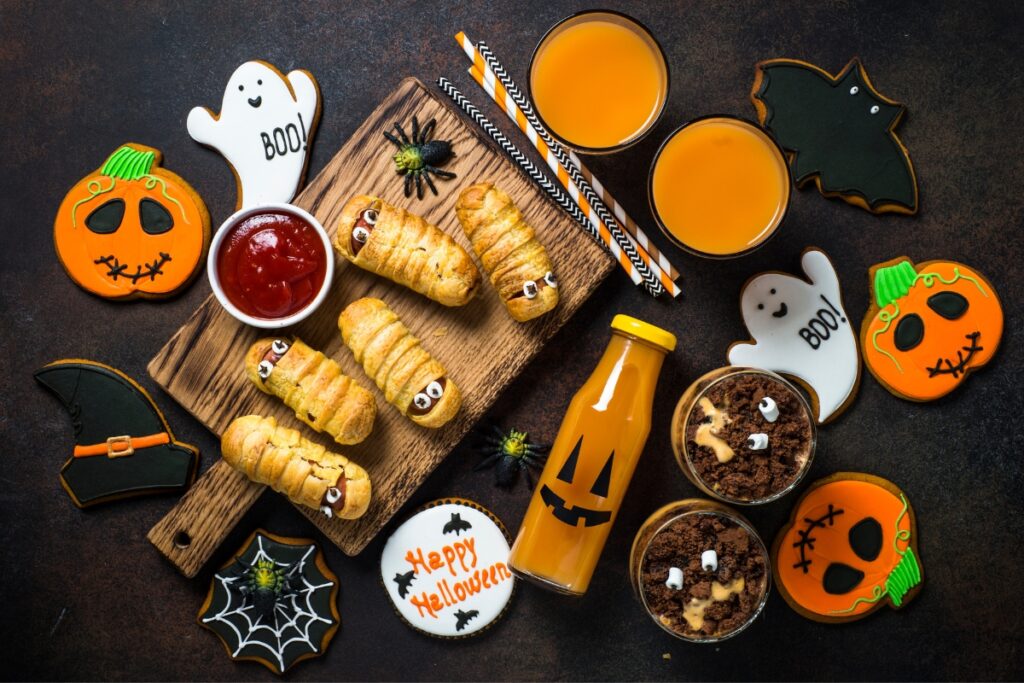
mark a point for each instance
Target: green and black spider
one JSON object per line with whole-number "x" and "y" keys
{"x": 418, "y": 158}
{"x": 509, "y": 454}
{"x": 266, "y": 584}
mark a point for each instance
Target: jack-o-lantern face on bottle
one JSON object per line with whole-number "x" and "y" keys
{"x": 571, "y": 512}
{"x": 131, "y": 228}
{"x": 931, "y": 325}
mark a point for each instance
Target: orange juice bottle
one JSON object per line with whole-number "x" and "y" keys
{"x": 592, "y": 461}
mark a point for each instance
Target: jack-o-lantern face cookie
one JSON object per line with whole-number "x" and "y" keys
{"x": 132, "y": 228}
{"x": 849, "y": 547}
{"x": 929, "y": 326}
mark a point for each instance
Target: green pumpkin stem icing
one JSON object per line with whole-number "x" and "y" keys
{"x": 128, "y": 163}
{"x": 904, "y": 576}
{"x": 893, "y": 283}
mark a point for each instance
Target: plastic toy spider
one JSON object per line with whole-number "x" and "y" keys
{"x": 509, "y": 454}
{"x": 266, "y": 584}
{"x": 417, "y": 159}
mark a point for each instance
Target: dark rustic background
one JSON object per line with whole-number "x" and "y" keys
{"x": 85, "y": 596}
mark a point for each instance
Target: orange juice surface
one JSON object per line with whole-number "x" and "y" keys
{"x": 598, "y": 83}
{"x": 589, "y": 468}
{"x": 720, "y": 186}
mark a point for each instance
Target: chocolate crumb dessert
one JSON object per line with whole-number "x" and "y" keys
{"x": 748, "y": 437}
{"x": 704, "y": 576}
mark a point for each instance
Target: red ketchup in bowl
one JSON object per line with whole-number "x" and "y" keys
{"x": 272, "y": 265}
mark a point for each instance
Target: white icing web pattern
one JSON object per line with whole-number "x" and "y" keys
{"x": 294, "y": 618}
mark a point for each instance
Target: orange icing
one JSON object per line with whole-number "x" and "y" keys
{"x": 909, "y": 373}
{"x": 857, "y": 500}
{"x": 129, "y": 250}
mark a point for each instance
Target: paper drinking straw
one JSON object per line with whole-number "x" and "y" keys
{"x": 628, "y": 224}
{"x": 569, "y": 176}
{"x": 512, "y": 99}
{"x": 554, "y": 191}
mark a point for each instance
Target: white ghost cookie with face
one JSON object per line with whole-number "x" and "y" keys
{"x": 264, "y": 128}
{"x": 801, "y": 329}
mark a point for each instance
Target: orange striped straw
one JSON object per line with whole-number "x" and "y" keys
{"x": 628, "y": 224}
{"x": 485, "y": 77}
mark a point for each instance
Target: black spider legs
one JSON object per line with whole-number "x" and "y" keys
{"x": 401, "y": 133}
{"x": 416, "y": 139}
{"x": 393, "y": 139}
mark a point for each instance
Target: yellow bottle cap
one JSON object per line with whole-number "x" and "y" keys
{"x": 645, "y": 331}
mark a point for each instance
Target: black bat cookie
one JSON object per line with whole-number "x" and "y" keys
{"x": 404, "y": 581}
{"x": 123, "y": 445}
{"x": 838, "y": 131}
{"x": 456, "y": 524}
{"x": 462, "y": 618}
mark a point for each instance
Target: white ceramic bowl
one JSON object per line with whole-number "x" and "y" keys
{"x": 211, "y": 265}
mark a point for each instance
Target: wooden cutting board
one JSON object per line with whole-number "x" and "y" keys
{"x": 483, "y": 348}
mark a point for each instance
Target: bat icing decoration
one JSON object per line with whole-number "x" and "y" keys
{"x": 456, "y": 524}
{"x": 123, "y": 445}
{"x": 463, "y": 618}
{"x": 445, "y": 569}
{"x": 838, "y": 131}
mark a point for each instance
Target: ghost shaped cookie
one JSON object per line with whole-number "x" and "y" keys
{"x": 264, "y": 128}
{"x": 800, "y": 329}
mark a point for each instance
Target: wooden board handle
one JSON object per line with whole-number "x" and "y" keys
{"x": 206, "y": 514}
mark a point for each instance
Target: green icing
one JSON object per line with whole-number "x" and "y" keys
{"x": 892, "y": 282}
{"x": 95, "y": 188}
{"x": 904, "y": 576}
{"x": 128, "y": 163}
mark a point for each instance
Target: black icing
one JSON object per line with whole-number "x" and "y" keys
{"x": 835, "y": 135}
{"x": 104, "y": 403}
{"x": 909, "y": 332}
{"x": 949, "y": 305}
{"x": 154, "y": 217}
{"x": 106, "y": 218}
{"x": 600, "y": 487}
{"x": 866, "y": 539}
{"x": 840, "y": 578}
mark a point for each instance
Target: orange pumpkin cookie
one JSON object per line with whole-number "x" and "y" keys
{"x": 132, "y": 228}
{"x": 929, "y": 325}
{"x": 849, "y": 547}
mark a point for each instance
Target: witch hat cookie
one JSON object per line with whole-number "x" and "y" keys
{"x": 123, "y": 445}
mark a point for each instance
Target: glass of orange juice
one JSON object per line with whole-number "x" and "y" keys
{"x": 599, "y": 81}
{"x": 719, "y": 187}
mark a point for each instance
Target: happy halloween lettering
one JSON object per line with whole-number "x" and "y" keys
{"x": 454, "y": 559}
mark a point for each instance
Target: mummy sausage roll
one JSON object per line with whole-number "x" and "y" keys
{"x": 314, "y": 387}
{"x": 411, "y": 379}
{"x": 518, "y": 265}
{"x": 405, "y": 249}
{"x": 305, "y": 472}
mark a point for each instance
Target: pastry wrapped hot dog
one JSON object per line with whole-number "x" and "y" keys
{"x": 517, "y": 263}
{"x": 313, "y": 386}
{"x": 404, "y": 248}
{"x": 411, "y": 379}
{"x": 307, "y": 473}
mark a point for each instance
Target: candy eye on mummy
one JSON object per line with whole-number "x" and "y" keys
{"x": 264, "y": 369}
{"x": 360, "y": 234}
{"x": 424, "y": 400}
{"x": 280, "y": 347}
{"x": 530, "y": 289}
{"x": 362, "y": 227}
{"x": 550, "y": 279}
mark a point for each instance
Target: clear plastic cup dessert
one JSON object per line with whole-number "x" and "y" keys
{"x": 743, "y": 435}
{"x": 696, "y": 590}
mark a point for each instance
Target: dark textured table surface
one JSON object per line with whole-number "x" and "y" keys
{"x": 85, "y": 596}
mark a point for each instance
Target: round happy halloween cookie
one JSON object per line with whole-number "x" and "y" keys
{"x": 131, "y": 228}
{"x": 275, "y": 603}
{"x": 839, "y": 131}
{"x": 445, "y": 569}
{"x": 801, "y": 329}
{"x": 929, "y": 326}
{"x": 849, "y": 547}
